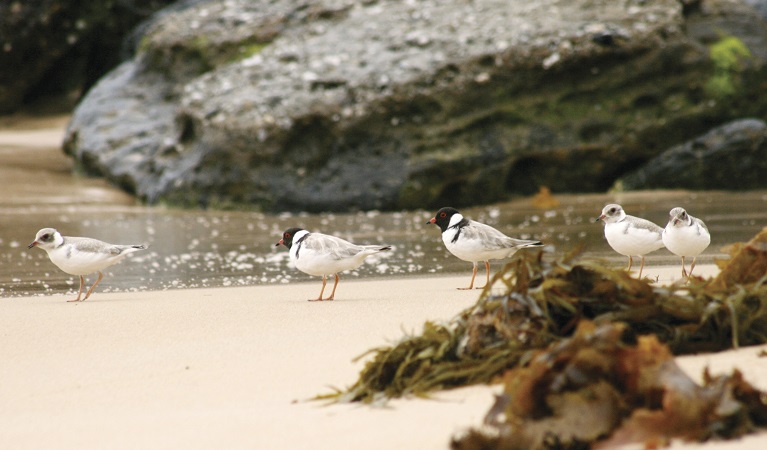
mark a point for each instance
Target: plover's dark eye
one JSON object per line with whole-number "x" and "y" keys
{"x": 45, "y": 237}
{"x": 286, "y": 236}
{"x": 443, "y": 215}
{"x": 613, "y": 210}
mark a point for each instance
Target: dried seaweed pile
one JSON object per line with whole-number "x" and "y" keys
{"x": 604, "y": 388}
{"x": 543, "y": 304}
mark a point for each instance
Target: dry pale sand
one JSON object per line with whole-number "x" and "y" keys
{"x": 232, "y": 368}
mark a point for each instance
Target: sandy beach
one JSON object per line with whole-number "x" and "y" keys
{"x": 229, "y": 367}
{"x": 233, "y": 368}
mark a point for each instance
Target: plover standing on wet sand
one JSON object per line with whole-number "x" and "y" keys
{"x": 474, "y": 241}
{"x": 322, "y": 255}
{"x": 630, "y": 236}
{"x": 81, "y": 256}
{"x": 685, "y": 235}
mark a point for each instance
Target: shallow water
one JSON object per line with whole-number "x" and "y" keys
{"x": 224, "y": 248}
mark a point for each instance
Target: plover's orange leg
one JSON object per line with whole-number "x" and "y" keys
{"x": 689, "y": 274}
{"x": 90, "y": 291}
{"x": 487, "y": 271}
{"x": 324, "y": 282}
{"x": 473, "y": 275}
{"x": 80, "y": 292}
{"x": 332, "y": 294}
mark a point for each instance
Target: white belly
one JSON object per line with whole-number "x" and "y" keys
{"x": 631, "y": 241}
{"x": 685, "y": 241}
{"x": 473, "y": 250}
{"x": 317, "y": 264}
{"x": 83, "y": 263}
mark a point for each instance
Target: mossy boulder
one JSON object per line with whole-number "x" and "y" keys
{"x": 342, "y": 105}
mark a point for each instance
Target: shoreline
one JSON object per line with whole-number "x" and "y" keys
{"x": 663, "y": 271}
{"x": 235, "y": 367}
{"x": 207, "y": 248}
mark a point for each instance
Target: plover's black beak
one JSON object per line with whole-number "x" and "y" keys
{"x": 432, "y": 220}
{"x": 599, "y": 218}
{"x": 34, "y": 244}
{"x": 279, "y": 243}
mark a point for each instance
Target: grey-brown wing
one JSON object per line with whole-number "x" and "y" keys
{"x": 335, "y": 247}
{"x": 95, "y": 246}
{"x": 644, "y": 224}
{"x": 90, "y": 245}
{"x": 700, "y": 224}
{"x": 491, "y": 238}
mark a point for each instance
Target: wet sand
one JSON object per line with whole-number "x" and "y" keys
{"x": 194, "y": 248}
{"x": 232, "y": 367}
{"x": 35, "y": 172}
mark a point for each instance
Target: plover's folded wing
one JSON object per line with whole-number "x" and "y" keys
{"x": 700, "y": 224}
{"x": 493, "y": 239}
{"x": 331, "y": 246}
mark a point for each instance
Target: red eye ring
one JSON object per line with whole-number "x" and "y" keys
{"x": 443, "y": 215}
{"x": 287, "y": 236}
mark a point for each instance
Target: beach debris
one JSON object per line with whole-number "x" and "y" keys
{"x": 544, "y": 301}
{"x": 543, "y": 199}
{"x": 606, "y": 387}
{"x": 747, "y": 263}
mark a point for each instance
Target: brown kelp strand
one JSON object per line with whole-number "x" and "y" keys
{"x": 542, "y": 302}
{"x": 605, "y": 387}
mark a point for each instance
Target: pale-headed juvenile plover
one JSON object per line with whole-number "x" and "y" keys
{"x": 685, "y": 236}
{"x": 630, "y": 236}
{"x": 81, "y": 256}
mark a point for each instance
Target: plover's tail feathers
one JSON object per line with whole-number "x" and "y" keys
{"x": 524, "y": 243}
{"x": 125, "y": 249}
{"x": 371, "y": 249}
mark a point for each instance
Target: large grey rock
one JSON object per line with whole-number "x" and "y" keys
{"x": 337, "y": 104}
{"x": 733, "y": 156}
